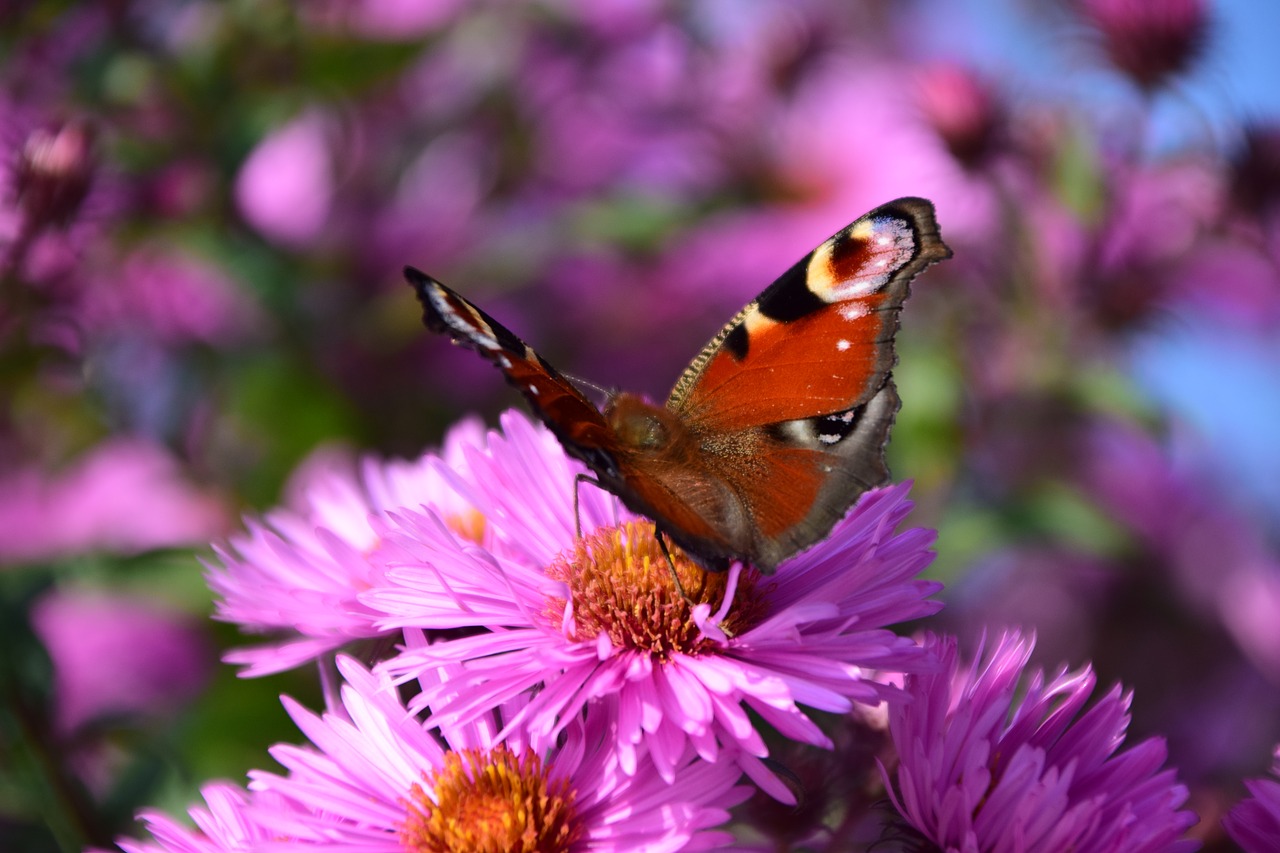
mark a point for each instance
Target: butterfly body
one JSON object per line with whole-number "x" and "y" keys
{"x": 776, "y": 426}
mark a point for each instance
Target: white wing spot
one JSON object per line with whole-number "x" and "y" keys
{"x": 843, "y": 345}
{"x": 827, "y": 438}
{"x": 504, "y": 362}
{"x": 533, "y": 389}
{"x": 882, "y": 241}
{"x": 853, "y": 310}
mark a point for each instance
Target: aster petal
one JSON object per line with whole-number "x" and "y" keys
{"x": 979, "y": 767}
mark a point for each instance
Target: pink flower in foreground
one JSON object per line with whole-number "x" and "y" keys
{"x": 377, "y": 780}
{"x": 1254, "y": 823}
{"x": 981, "y": 770}
{"x": 297, "y": 573}
{"x": 222, "y": 824}
{"x": 600, "y": 620}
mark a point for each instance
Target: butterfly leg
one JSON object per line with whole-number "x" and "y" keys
{"x": 671, "y": 564}
{"x": 577, "y": 520}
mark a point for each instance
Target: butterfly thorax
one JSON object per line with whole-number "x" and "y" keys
{"x": 642, "y": 426}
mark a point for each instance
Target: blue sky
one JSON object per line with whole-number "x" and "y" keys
{"x": 1238, "y": 79}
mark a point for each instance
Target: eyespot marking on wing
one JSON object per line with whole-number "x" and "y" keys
{"x": 837, "y": 270}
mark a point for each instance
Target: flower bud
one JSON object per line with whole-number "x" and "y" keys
{"x": 1150, "y": 40}
{"x": 962, "y": 110}
{"x": 54, "y": 173}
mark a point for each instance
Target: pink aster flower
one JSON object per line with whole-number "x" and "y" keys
{"x": 982, "y": 770}
{"x": 600, "y": 620}
{"x": 1254, "y": 823}
{"x": 222, "y": 824}
{"x": 297, "y": 573}
{"x": 377, "y": 780}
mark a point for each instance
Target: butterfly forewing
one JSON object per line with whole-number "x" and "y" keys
{"x": 572, "y": 417}
{"x": 819, "y": 340}
{"x": 793, "y": 400}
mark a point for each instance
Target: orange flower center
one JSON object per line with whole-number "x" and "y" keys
{"x": 622, "y": 584}
{"x": 490, "y": 801}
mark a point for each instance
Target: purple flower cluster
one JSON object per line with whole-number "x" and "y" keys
{"x": 572, "y": 671}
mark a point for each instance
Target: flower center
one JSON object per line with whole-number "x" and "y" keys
{"x": 469, "y": 524}
{"x": 621, "y": 584}
{"x": 490, "y": 801}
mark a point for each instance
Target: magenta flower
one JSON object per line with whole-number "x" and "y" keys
{"x": 1150, "y": 40}
{"x": 114, "y": 654}
{"x": 600, "y": 620}
{"x": 173, "y": 297}
{"x": 222, "y": 824}
{"x": 297, "y": 573}
{"x": 123, "y": 496}
{"x": 1254, "y": 823}
{"x": 981, "y": 770}
{"x": 285, "y": 188}
{"x": 377, "y": 780}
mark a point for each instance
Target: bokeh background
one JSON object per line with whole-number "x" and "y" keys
{"x": 205, "y": 206}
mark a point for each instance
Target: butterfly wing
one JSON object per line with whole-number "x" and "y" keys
{"x": 574, "y": 419}
{"x": 792, "y": 402}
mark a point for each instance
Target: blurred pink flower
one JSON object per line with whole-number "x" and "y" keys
{"x": 1230, "y": 279}
{"x": 377, "y": 780}
{"x": 1221, "y": 567}
{"x": 123, "y": 496}
{"x": 285, "y": 187}
{"x": 115, "y": 654}
{"x": 433, "y": 215}
{"x": 599, "y": 620}
{"x": 386, "y": 20}
{"x": 298, "y": 572}
{"x": 1061, "y": 592}
{"x": 1156, "y": 219}
{"x": 851, "y": 139}
{"x": 963, "y": 109}
{"x": 989, "y": 760}
{"x": 171, "y": 296}
{"x": 1254, "y": 823}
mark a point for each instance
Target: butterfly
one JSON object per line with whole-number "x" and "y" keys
{"x": 778, "y": 424}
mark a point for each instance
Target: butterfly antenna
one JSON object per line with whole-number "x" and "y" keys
{"x": 587, "y": 383}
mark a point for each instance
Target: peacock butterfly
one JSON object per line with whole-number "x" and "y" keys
{"x": 775, "y": 428}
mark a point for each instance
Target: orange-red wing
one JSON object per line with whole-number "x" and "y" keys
{"x": 572, "y": 417}
{"x": 819, "y": 340}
